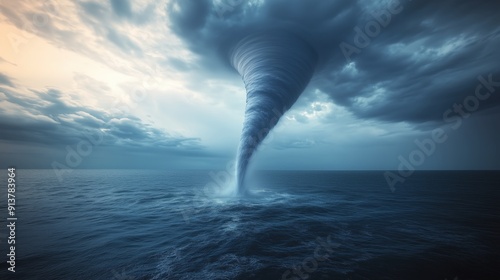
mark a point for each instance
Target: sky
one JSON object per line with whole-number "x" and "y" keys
{"x": 148, "y": 84}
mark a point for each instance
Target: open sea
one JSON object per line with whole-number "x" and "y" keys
{"x": 150, "y": 224}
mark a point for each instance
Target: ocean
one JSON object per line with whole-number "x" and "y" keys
{"x": 152, "y": 224}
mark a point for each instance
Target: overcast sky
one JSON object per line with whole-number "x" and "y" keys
{"x": 146, "y": 84}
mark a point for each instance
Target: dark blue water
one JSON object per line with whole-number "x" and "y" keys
{"x": 136, "y": 224}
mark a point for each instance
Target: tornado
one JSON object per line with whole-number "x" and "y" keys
{"x": 275, "y": 69}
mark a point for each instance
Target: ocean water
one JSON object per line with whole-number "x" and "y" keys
{"x": 149, "y": 224}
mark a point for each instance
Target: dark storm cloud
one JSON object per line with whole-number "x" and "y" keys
{"x": 51, "y": 120}
{"x": 425, "y": 58}
{"x": 191, "y": 16}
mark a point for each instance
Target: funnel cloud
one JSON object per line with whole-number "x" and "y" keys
{"x": 275, "y": 67}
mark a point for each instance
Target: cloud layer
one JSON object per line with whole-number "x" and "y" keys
{"x": 387, "y": 72}
{"x": 388, "y": 60}
{"x": 52, "y": 120}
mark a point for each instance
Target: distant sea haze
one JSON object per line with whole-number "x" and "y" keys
{"x": 145, "y": 224}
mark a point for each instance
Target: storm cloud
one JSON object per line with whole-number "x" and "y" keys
{"x": 388, "y": 60}
{"x": 393, "y": 61}
{"x": 386, "y": 72}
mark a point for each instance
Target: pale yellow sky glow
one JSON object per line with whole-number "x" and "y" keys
{"x": 37, "y": 60}
{"x": 35, "y": 63}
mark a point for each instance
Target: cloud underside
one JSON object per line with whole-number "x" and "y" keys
{"x": 421, "y": 59}
{"x": 48, "y": 118}
{"x": 387, "y": 60}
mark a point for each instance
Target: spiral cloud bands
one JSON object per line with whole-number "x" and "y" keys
{"x": 275, "y": 69}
